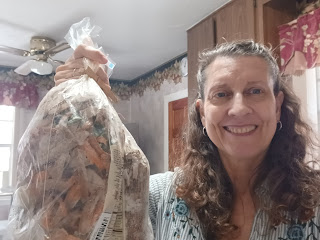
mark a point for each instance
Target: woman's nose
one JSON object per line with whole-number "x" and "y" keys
{"x": 239, "y": 106}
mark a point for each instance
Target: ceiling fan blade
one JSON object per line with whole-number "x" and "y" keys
{"x": 24, "y": 69}
{"x": 56, "y": 49}
{"x": 14, "y": 51}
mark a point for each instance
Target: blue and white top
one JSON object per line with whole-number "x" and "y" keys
{"x": 172, "y": 219}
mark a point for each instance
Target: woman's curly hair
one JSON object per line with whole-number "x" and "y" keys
{"x": 293, "y": 185}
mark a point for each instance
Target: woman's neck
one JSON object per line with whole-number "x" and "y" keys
{"x": 241, "y": 172}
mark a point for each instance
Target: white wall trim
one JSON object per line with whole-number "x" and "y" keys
{"x": 16, "y": 139}
{"x": 167, "y": 99}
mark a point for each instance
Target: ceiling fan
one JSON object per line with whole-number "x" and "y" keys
{"x": 41, "y": 50}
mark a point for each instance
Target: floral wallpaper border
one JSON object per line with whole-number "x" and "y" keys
{"x": 152, "y": 80}
{"x": 7, "y": 75}
{"x": 124, "y": 89}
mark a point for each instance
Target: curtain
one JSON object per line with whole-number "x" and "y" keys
{"x": 300, "y": 43}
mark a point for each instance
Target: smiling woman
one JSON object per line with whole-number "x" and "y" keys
{"x": 247, "y": 174}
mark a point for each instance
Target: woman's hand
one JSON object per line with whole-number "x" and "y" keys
{"x": 74, "y": 66}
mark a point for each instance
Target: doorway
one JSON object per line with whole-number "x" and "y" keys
{"x": 169, "y": 98}
{"x": 178, "y": 118}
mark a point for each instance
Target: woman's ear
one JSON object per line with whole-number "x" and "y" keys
{"x": 200, "y": 109}
{"x": 279, "y": 101}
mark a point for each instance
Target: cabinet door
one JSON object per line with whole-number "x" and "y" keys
{"x": 235, "y": 21}
{"x": 270, "y": 14}
{"x": 200, "y": 37}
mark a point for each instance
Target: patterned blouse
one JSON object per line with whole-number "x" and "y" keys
{"x": 172, "y": 219}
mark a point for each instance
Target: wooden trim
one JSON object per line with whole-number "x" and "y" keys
{"x": 259, "y": 20}
{"x": 212, "y": 14}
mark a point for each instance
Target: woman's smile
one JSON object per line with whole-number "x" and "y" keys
{"x": 241, "y": 130}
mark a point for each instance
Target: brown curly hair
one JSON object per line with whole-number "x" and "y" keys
{"x": 293, "y": 186}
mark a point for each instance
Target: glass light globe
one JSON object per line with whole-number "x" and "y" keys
{"x": 40, "y": 67}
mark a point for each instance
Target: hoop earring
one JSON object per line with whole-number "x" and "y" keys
{"x": 204, "y": 131}
{"x": 280, "y": 125}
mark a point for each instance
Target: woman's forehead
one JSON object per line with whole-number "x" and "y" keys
{"x": 245, "y": 62}
{"x": 244, "y": 68}
{"x": 237, "y": 65}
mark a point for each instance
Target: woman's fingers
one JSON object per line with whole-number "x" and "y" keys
{"x": 69, "y": 73}
{"x": 71, "y": 64}
{"x": 90, "y": 53}
{"x": 103, "y": 75}
{"x": 74, "y": 66}
{"x": 69, "y": 69}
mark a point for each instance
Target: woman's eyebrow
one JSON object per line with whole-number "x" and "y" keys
{"x": 218, "y": 85}
{"x": 260, "y": 83}
{"x": 255, "y": 82}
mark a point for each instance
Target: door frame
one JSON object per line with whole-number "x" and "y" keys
{"x": 169, "y": 98}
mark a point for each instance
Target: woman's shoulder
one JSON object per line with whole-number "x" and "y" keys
{"x": 160, "y": 182}
{"x": 162, "y": 176}
{"x": 163, "y": 181}
{"x": 172, "y": 217}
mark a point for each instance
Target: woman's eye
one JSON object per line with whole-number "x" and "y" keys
{"x": 255, "y": 91}
{"x": 220, "y": 95}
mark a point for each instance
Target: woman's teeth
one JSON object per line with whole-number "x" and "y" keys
{"x": 240, "y": 129}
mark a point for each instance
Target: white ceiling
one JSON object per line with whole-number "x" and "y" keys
{"x": 139, "y": 35}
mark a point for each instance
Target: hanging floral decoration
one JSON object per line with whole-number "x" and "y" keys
{"x": 22, "y": 91}
{"x": 154, "y": 81}
{"x": 300, "y": 43}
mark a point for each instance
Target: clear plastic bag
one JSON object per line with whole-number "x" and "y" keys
{"x": 80, "y": 173}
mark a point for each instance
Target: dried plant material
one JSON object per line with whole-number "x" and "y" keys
{"x": 77, "y": 164}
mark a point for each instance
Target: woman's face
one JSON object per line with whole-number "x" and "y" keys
{"x": 239, "y": 110}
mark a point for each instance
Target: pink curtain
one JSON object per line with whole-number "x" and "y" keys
{"x": 300, "y": 43}
{"x": 19, "y": 95}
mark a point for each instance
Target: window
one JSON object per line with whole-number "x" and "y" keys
{"x": 7, "y": 115}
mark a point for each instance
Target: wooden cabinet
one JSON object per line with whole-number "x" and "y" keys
{"x": 200, "y": 37}
{"x": 235, "y": 21}
{"x": 239, "y": 19}
{"x": 270, "y": 14}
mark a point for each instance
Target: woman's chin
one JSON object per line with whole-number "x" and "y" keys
{"x": 246, "y": 155}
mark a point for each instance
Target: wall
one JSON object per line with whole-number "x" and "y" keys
{"x": 147, "y": 112}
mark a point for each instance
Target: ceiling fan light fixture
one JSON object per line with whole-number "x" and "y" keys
{"x": 41, "y": 49}
{"x": 40, "y": 67}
